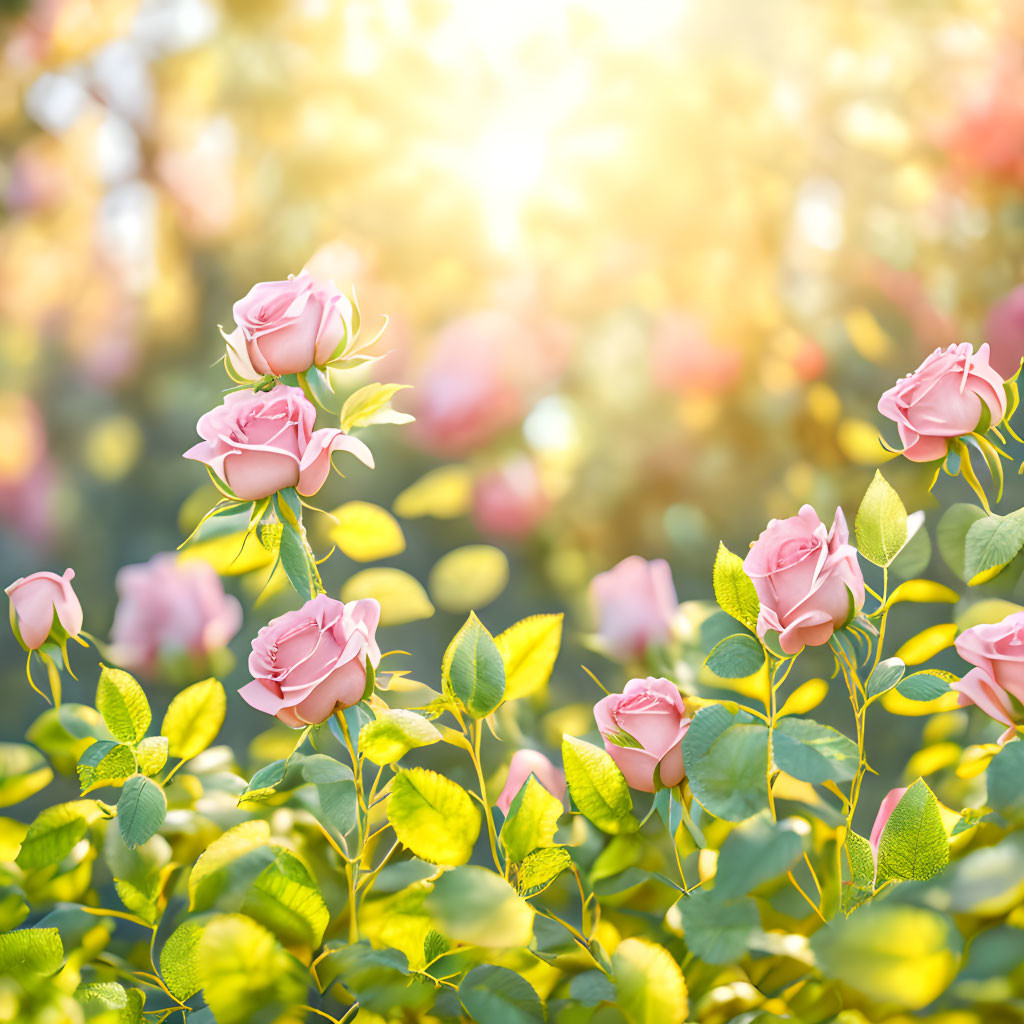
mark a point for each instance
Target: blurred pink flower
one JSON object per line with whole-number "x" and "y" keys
{"x": 1004, "y": 332}
{"x": 686, "y": 360}
{"x": 167, "y": 607}
{"x": 524, "y": 764}
{"x": 635, "y": 603}
{"x": 510, "y": 500}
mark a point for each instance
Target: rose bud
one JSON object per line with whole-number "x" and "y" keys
{"x": 36, "y": 600}
{"x": 288, "y": 327}
{"x": 167, "y": 607}
{"x": 804, "y": 576}
{"x": 311, "y": 662}
{"x": 524, "y": 764}
{"x": 996, "y": 683}
{"x": 944, "y": 398}
{"x": 642, "y": 729}
{"x": 259, "y": 443}
{"x": 635, "y": 603}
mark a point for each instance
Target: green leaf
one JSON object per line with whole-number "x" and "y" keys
{"x": 927, "y": 685}
{"x": 1005, "y": 770}
{"x": 913, "y": 843}
{"x": 194, "y": 718}
{"x": 891, "y": 952}
{"x": 51, "y": 837}
{"x": 756, "y": 851}
{"x": 140, "y": 810}
{"x": 859, "y": 871}
{"x": 884, "y": 676}
{"x": 472, "y": 669}
{"x": 881, "y": 523}
{"x": 540, "y": 868}
{"x": 649, "y": 983}
{"x": 229, "y": 864}
{"x": 813, "y": 752}
{"x": 734, "y": 592}
{"x": 123, "y": 705}
{"x": 264, "y": 782}
{"x": 532, "y": 820}
{"x": 105, "y": 763}
{"x": 433, "y": 816}
{"x": 23, "y": 773}
{"x": 597, "y": 787}
{"x": 951, "y": 534}
{"x": 286, "y": 899}
{"x": 372, "y": 404}
{"x": 379, "y": 979}
{"x": 336, "y": 789}
{"x": 736, "y": 657}
{"x": 474, "y": 905}
{"x": 991, "y": 542}
{"x": 726, "y": 758}
{"x": 590, "y": 988}
{"x": 30, "y": 951}
{"x": 179, "y": 960}
{"x": 236, "y": 993}
{"x": 715, "y": 929}
{"x": 529, "y": 649}
{"x": 101, "y": 999}
{"x": 394, "y": 733}
{"x": 152, "y": 754}
{"x": 496, "y": 995}
{"x": 296, "y": 561}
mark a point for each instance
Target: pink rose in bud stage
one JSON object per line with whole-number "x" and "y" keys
{"x": 37, "y": 598}
{"x": 524, "y": 764}
{"x": 885, "y": 809}
{"x": 167, "y": 607}
{"x": 635, "y": 603}
{"x": 942, "y": 399}
{"x": 652, "y": 713}
{"x": 288, "y": 326}
{"x": 510, "y": 500}
{"x": 996, "y": 683}
{"x": 803, "y": 575}
{"x": 1004, "y": 331}
{"x": 262, "y": 442}
{"x": 308, "y": 663}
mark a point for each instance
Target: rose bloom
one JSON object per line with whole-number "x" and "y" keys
{"x": 288, "y": 326}
{"x": 167, "y": 607}
{"x": 524, "y": 764}
{"x": 942, "y": 399}
{"x": 1004, "y": 330}
{"x": 803, "y": 575}
{"x": 652, "y": 712}
{"x": 37, "y": 598}
{"x": 262, "y": 442}
{"x": 309, "y": 663}
{"x": 684, "y": 359}
{"x": 996, "y": 683}
{"x": 635, "y": 603}
{"x": 510, "y": 500}
{"x": 885, "y": 809}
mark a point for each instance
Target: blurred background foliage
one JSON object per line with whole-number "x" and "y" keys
{"x": 648, "y": 268}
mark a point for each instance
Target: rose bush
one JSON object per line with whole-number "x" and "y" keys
{"x": 701, "y": 853}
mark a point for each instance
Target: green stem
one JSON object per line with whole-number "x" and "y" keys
{"x": 492, "y": 835}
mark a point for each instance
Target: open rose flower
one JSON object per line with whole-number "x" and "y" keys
{"x": 168, "y": 607}
{"x": 36, "y": 599}
{"x": 996, "y": 683}
{"x": 263, "y": 442}
{"x": 635, "y": 603}
{"x": 642, "y": 729}
{"x": 524, "y": 764}
{"x": 942, "y": 399}
{"x": 288, "y": 326}
{"x": 308, "y": 663}
{"x": 804, "y": 575}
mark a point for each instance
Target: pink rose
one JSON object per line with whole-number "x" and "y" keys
{"x": 942, "y": 399}
{"x": 642, "y": 729}
{"x": 166, "y": 607}
{"x": 263, "y": 442}
{"x": 635, "y": 603}
{"x": 36, "y": 599}
{"x": 288, "y": 326}
{"x": 885, "y": 809}
{"x": 510, "y": 500}
{"x": 308, "y": 663}
{"x": 1004, "y": 330}
{"x": 996, "y": 684}
{"x": 524, "y": 764}
{"x": 803, "y": 576}
{"x": 684, "y": 359}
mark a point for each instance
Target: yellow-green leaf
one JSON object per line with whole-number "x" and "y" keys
{"x": 433, "y": 816}
{"x": 394, "y": 733}
{"x": 649, "y": 983}
{"x": 474, "y": 905}
{"x": 179, "y": 960}
{"x": 123, "y": 705}
{"x": 366, "y": 532}
{"x": 372, "y": 404}
{"x": 468, "y": 577}
{"x": 194, "y": 718}
{"x": 51, "y": 837}
{"x": 443, "y": 493}
{"x": 734, "y": 592}
{"x": 923, "y": 592}
{"x": 532, "y": 821}
{"x": 23, "y": 772}
{"x": 926, "y": 644}
{"x": 401, "y": 597}
{"x": 472, "y": 670}
{"x": 597, "y": 786}
{"x": 881, "y": 523}
{"x": 529, "y": 649}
